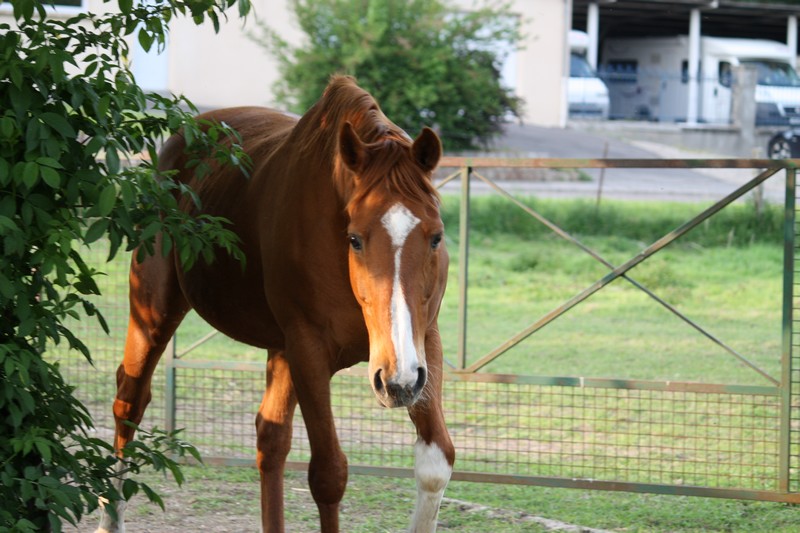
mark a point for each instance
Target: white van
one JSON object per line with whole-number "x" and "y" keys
{"x": 587, "y": 95}
{"x": 648, "y": 78}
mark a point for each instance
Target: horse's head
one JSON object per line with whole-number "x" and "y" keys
{"x": 398, "y": 261}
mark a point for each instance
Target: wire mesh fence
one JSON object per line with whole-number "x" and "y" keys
{"x": 717, "y": 440}
{"x": 684, "y": 438}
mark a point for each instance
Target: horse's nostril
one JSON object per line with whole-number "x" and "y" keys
{"x": 422, "y": 376}
{"x": 377, "y": 381}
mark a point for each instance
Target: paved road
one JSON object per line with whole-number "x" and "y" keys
{"x": 665, "y": 184}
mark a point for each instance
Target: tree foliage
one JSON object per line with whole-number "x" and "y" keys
{"x": 426, "y": 62}
{"x": 71, "y": 116}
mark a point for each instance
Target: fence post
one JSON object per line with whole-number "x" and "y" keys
{"x": 170, "y": 385}
{"x": 463, "y": 265}
{"x": 785, "y": 452}
{"x": 743, "y": 107}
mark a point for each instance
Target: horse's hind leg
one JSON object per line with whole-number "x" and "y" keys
{"x": 274, "y": 429}
{"x": 157, "y": 307}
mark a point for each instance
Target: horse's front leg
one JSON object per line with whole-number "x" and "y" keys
{"x": 274, "y": 430}
{"x": 434, "y": 451}
{"x": 311, "y": 367}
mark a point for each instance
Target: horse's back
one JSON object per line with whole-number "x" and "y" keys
{"x": 260, "y": 132}
{"x": 225, "y": 293}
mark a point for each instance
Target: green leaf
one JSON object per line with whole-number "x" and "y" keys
{"x": 125, "y": 6}
{"x": 21, "y": 101}
{"x": 56, "y": 62}
{"x": 5, "y": 174}
{"x": 91, "y": 310}
{"x": 16, "y": 414}
{"x": 7, "y": 223}
{"x": 112, "y": 160}
{"x": 32, "y": 135}
{"x": 49, "y": 162}
{"x": 51, "y": 177}
{"x": 153, "y": 496}
{"x": 186, "y": 256}
{"x": 129, "y": 488}
{"x": 60, "y": 124}
{"x": 96, "y": 230}
{"x": 145, "y": 39}
{"x": 43, "y": 447}
{"x": 127, "y": 194}
{"x": 86, "y": 285}
{"x": 150, "y": 231}
{"x": 16, "y": 75}
{"x": 103, "y": 105}
{"x": 108, "y": 198}
{"x": 30, "y": 174}
{"x": 166, "y": 244}
{"x": 7, "y": 127}
{"x": 8, "y": 206}
{"x": 214, "y": 20}
{"x": 188, "y": 134}
{"x": 195, "y": 453}
{"x": 244, "y": 8}
{"x": 7, "y": 288}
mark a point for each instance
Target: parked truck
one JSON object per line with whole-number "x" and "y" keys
{"x": 648, "y": 78}
{"x": 587, "y": 95}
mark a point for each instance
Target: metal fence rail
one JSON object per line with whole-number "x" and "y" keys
{"x": 676, "y": 437}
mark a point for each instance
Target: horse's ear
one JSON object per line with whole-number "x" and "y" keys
{"x": 427, "y": 149}
{"x": 351, "y": 149}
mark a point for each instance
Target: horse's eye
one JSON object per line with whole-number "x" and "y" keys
{"x": 436, "y": 240}
{"x": 355, "y": 241}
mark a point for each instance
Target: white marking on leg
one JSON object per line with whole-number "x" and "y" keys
{"x": 432, "y": 472}
{"x": 399, "y": 222}
{"x": 107, "y": 523}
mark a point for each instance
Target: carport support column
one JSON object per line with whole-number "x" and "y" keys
{"x": 593, "y": 30}
{"x": 791, "y": 38}
{"x": 694, "y": 66}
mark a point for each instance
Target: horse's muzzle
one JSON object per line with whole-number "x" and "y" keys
{"x": 392, "y": 393}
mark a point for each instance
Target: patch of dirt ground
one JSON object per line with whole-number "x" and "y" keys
{"x": 222, "y": 500}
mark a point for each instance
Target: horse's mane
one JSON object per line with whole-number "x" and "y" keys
{"x": 389, "y": 147}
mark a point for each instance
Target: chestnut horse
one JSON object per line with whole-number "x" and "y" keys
{"x": 341, "y": 229}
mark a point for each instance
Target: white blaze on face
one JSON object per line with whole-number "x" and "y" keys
{"x": 399, "y": 222}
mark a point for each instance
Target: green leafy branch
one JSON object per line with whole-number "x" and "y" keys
{"x": 78, "y": 157}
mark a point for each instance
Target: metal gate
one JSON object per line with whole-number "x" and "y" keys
{"x": 643, "y": 435}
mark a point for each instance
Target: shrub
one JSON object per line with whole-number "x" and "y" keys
{"x": 70, "y": 115}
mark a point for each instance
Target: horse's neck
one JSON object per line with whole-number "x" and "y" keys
{"x": 317, "y": 166}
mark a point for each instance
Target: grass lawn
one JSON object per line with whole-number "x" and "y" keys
{"x": 727, "y": 276}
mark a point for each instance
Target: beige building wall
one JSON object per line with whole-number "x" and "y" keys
{"x": 542, "y": 64}
{"x": 229, "y": 69}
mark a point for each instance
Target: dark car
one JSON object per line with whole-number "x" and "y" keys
{"x": 784, "y": 145}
